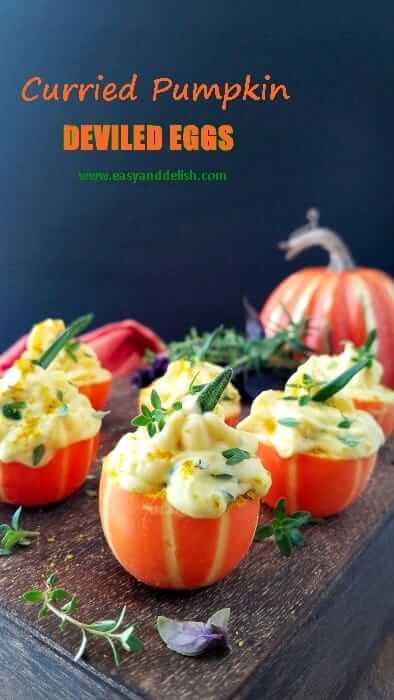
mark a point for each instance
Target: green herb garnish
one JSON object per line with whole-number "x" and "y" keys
{"x": 102, "y": 629}
{"x": 364, "y": 358}
{"x": 13, "y": 534}
{"x": 212, "y": 392}
{"x": 154, "y": 419}
{"x": 12, "y": 410}
{"x": 348, "y": 440}
{"x": 38, "y": 454}
{"x": 285, "y": 529}
{"x": 234, "y": 455}
{"x": 70, "y": 348}
{"x": 75, "y": 328}
{"x": 344, "y": 423}
{"x": 288, "y": 422}
{"x": 227, "y": 347}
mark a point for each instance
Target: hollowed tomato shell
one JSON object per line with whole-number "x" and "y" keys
{"x": 97, "y": 393}
{"x": 161, "y": 547}
{"x": 382, "y": 412}
{"x": 55, "y": 481}
{"x": 321, "y": 485}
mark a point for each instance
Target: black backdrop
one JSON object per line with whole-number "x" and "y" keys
{"x": 179, "y": 254}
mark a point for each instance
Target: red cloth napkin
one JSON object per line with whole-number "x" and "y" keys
{"x": 119, "y": 346}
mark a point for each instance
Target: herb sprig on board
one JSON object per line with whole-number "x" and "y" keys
{"x": 228, "y": 347}
{"x": 13, "y": 535}
{"x": 285, "y": 529}
{"x": 108, "y": 630}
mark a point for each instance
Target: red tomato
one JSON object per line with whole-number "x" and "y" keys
{"x": 97, "y": 393}
{"x": 382, "y": 412}
{"x": 320, "y": 485}
{"x": 59, "y": 478}
{"x": 164, "y": 548}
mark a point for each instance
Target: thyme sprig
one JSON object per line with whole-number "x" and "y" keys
{"x": 154, "y": 419}
{"x": 13, "y": 534}
{"x": 101, "y": 629}
{"x": 285, "y": 529}
{"x": 227, "y": 347}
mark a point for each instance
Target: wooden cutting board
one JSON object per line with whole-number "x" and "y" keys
{"x": 303, "y": 627}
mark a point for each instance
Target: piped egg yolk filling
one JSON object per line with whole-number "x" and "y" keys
{"x": 185, "y": 463}
{"x": 175, "y": 384}
{"x": 78, "y": 361}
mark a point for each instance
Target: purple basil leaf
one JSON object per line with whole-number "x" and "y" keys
{"x": 194, "y": 638}
{"x": 253, "y": 326}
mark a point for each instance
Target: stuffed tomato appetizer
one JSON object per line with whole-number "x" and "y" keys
{"x": 49, "y": 431}
{"x": 78, "y": 361}
{"x": 184, "y": 377}
{"x": 179, "y": 501}
{"x": 364, "y": 388}
{"x": 319, "y": 448}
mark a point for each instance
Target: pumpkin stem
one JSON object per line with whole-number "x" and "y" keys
{"x": 313, "y": 235}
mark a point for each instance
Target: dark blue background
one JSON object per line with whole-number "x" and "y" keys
{"x": 179, "y": 254}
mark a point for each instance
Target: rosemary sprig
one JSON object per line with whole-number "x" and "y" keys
{"x": 285, "y": 529}
{"x": 13, "y": 535}
{"x": 104, "y": 629}
{"x": 74, "y": 329}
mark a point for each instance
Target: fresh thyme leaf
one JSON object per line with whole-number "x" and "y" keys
{"x": 222, "y": 476}
{"x": 289, "y": 398}
{"x": 155, "y": 399}
{"x": 234, "y": 455}
{"x": 284, "y": 528}
{"x": 12, "y": 410}
{"x": 38, "y": 454}
{"x": 288, "y": 422}
{"x": 102, "y": 629}
{"x": 13, "y": 535}
{"x": 344, "y": 423}
{"x": 304, "y": 400}
{"x": 60, "y": 395}
{"x": 177, "y": 405}
{"x": 348, "y": 440}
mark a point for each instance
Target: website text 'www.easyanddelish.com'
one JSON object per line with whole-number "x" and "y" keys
{"x": 137, "y": 176}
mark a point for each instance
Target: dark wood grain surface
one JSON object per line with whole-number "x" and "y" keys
{"x": 303, "y": 627}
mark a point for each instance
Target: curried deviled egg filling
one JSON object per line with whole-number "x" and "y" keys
{"x": 78, "y": 361}
{"x": 41, "y": 412}
{"x": 333, "y": 428}
{"x": 365, "y": 385}
{"x": 185, "y": 462}
{"x": 175, "y": 384}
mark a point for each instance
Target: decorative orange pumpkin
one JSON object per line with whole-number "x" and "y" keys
{"x": 342, "y": 301}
